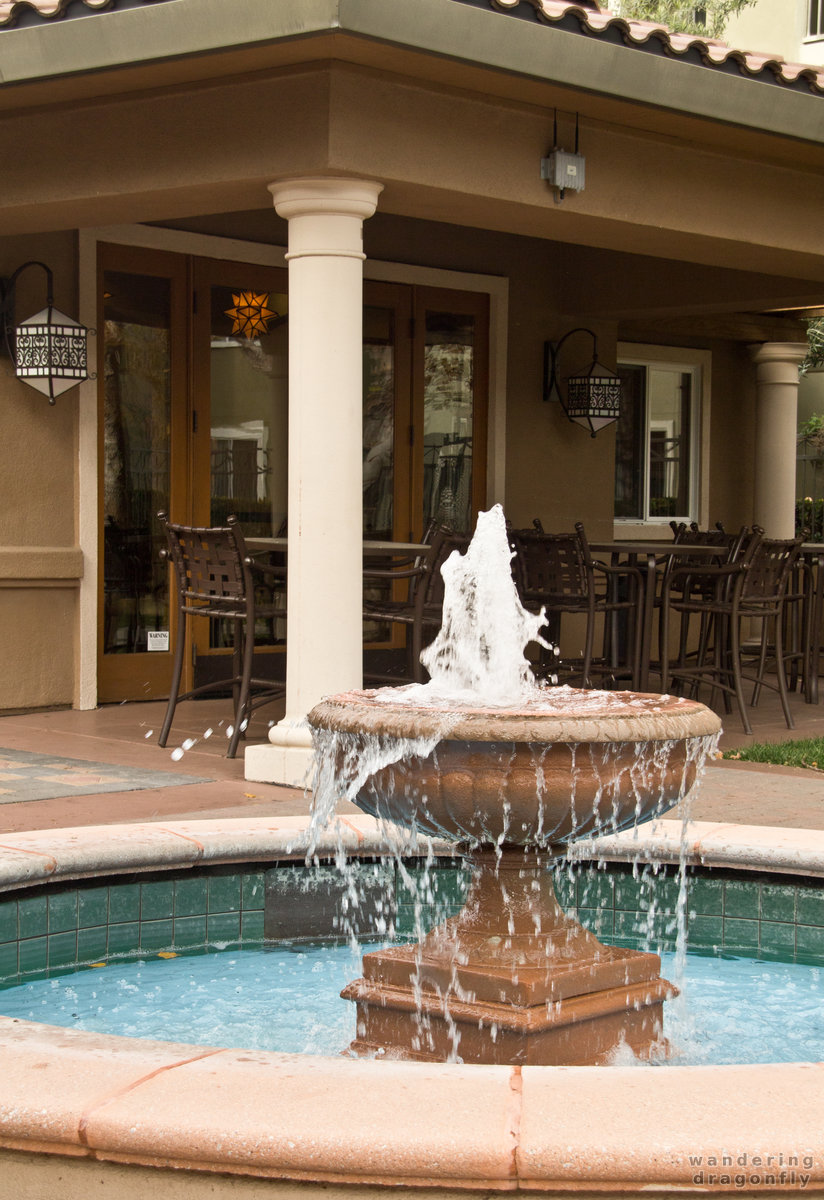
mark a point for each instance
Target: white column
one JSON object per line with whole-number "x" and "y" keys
{"x": 775, "y": 435}
{"x": 325, "y": 519}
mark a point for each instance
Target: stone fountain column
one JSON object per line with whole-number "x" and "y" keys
{"x": 325, "y": 491}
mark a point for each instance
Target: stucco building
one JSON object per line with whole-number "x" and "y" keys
{"x": 365, "y": 178}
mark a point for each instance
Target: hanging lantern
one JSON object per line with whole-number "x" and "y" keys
{"x": 49, "y": 349}
{"x": 250, "y": 314}
{"x": 593, "y": 397}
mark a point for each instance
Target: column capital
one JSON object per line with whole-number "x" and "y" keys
{"x": 332, "y": 196}
{"x": 779, "y": 352}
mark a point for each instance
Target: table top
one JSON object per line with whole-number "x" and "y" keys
{"x": 656, "y": 548}
{"x": 369, "y": 546}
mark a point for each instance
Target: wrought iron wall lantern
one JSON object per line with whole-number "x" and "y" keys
{"x": 49, "y": 349}
{"x": 593, "y": 396}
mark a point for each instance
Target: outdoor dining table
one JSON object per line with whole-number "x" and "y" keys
{"x": 377, "y": 547}
{"x": 654, "y": 557}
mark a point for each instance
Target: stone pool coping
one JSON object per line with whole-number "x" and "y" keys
{"x": 336, "y": 1120}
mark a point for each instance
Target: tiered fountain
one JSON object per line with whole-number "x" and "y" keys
{"x": 512, "y": 772}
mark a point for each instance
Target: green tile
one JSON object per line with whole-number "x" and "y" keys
{"x": 664, "y": 930}
{"x": 124, "y": 937}
{"x": 705, "y": 897}
{"x": 8, "y": 921}
{"x": 742, "y": 899}
{"x": 156, "y": 935}
{"x": 8, "y": 960}
{"x": 408, "y": 922}
{"x": 189, "y": 932}
{"x": 705, "y": 931}
{"x": 33, "y": 955}
{"x": 810, "y": 906}
{"x": 664, "y": 893}
{"x": 190, "y": 897}
{"x": 224, "y": 894}
{"x": 778, "y": 903}
{"x": 450, "y": 885}
{"x": 124, "y": 903}
{"x": 62, "y": 949}
{"x": 92, "y": 944}
{"x": 631, "y": 894}
{"x": 596, "y": 889}
{"x": 223, "y": 927}
{"x": 252, "y": 890}
{"x": 62, "y": 911}
{"x": 599, "y": 920}
{"x": 809, "y": 942}
{"x": 565, "y": 889}
{"x": 251, "y": 926}
{"x": 93, "y": 907}
{"x": 777, "y": 939}
{"x": 33, "y": 916}
{"x": 631, "y": 924}
{"x": 740, "y": 934}
{"x": 157, "y": 900}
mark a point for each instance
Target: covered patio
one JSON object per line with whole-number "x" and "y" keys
{"x": 363, "y": 145}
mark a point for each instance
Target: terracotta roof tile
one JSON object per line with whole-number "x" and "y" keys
{"x": 17, "y": 12}
{"x": 584, "y": 16}
{"x": 711, "y": 52}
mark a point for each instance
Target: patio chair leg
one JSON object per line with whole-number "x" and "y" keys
{"x": 177, "y": 673}
{"x": 735, "y": 664}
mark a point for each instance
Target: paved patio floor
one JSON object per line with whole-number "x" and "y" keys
{"x": 125, "y": 736}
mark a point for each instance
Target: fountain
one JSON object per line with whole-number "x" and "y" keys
{"x": 510, "y": 771}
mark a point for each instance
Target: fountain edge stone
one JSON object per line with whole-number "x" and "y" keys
{"x": 549, "y": 1129}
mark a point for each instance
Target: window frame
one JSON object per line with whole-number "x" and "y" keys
{"x": 699, "y": 364}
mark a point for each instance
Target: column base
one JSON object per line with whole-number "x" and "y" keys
{"x": 289, "y": 759}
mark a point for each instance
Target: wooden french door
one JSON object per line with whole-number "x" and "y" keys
{"x": 194, "y": 421}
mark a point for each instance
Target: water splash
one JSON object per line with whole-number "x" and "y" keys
{"x": 479, "y": 652}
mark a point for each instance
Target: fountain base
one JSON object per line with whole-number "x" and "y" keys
{"x": 544, "y": 992}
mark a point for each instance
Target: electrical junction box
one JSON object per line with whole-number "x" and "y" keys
{"x": 564, "y": 170}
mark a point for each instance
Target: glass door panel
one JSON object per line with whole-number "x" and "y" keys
{"x": 248, "y": 402}
{"x": 241, "y": 426}
{"x": 378, "y": 421}
{"x": 451, "y": 402}
{"x": 138, "y": 365}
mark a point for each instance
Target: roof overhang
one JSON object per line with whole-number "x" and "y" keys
{"x": 181, "y": 41}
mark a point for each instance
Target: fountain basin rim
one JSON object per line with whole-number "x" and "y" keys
{"x": 430, "y": 1123}
{"x": 623, "y": 717}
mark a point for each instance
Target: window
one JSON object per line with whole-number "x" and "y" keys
{"x": 815, "y": 19}
{"x": 656, "y": 439}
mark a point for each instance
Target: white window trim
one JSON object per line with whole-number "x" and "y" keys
{"x": 641, "y": 354}
{"x": 235, "y": 250}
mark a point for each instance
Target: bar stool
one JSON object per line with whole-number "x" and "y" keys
{"x": 215, "y": 580}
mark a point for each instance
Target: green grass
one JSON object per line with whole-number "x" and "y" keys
{"x": 806, "y": 752}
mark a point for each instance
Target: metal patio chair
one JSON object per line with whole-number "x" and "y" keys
{"x": 218, "y": 580}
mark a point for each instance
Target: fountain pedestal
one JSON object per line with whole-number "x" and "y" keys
{"x": 510, "y": 979}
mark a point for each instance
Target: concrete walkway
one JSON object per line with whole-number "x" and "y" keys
{"x": 126, "y": 736}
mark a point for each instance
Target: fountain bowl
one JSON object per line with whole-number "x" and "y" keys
{"x": 544, "y": 772}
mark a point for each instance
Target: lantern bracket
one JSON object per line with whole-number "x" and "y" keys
{"x": 598, "y": 390}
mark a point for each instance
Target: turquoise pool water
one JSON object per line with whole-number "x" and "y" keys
{"x": 286, "y": 998}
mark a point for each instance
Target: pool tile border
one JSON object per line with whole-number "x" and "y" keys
{"x": 117, "y": 1100}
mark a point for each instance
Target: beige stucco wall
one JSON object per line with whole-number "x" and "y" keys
{"x": 776, "y": 27}
{"x": 40, "y": 565}
{"x": 667, "y": 226}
